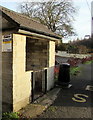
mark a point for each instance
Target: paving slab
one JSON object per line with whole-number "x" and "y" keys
{"x": 40, "y": 105}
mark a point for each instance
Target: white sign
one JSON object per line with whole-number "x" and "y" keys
{"x": 7, "y": 43}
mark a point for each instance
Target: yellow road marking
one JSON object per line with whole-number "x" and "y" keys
{"x": 79, "y": 96}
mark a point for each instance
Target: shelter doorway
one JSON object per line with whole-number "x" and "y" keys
{"x": 39, "y": 84}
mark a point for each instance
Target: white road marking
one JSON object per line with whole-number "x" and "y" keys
{"x": 89, "y": 87}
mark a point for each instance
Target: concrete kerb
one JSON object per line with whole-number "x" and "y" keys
{"x": 40, "y": 105}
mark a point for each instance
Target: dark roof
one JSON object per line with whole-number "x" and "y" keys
{"x": 27, "y": 23}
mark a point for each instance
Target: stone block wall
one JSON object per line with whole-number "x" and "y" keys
{"x": 7, "y": 83}
{"x": 37, "y": 54}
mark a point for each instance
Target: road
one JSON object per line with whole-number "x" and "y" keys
{"x": 75, "y": 102}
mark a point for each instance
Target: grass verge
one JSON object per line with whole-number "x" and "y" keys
{"x": 89, "y": 62}
{"x": 75, "y": 70}
{"x": 10, "y": 115}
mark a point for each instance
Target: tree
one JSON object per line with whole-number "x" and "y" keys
{"x": 72, "y": 49}
{"x": 82, "y": 49}
{"x": 56, "y": 15}
{"x": 61, "y": 47}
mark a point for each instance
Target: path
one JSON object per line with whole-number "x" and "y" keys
{"x": 75, "y": 102}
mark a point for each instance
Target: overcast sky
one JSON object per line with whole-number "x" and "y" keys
{"x": 82, "y": 22}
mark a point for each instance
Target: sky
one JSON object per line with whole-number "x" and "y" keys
{"x": 82, "y": 23}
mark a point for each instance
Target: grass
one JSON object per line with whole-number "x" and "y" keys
{"x": 56, "y": 77}
{"x": 52, "y": 108}
{"x": 10, "y": 115}
{"x": 75, "y": 70}
{"x": 89, "y": 62}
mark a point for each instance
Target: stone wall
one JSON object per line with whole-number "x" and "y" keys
{"x": 7, "y": 75}
{"x": 21, "y": 78}
{"x": 37, "y": 54}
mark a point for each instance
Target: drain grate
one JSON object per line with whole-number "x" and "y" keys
{"x": 89, "y": 87}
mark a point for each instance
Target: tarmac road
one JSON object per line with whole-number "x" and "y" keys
{"x": 75, "y": 102}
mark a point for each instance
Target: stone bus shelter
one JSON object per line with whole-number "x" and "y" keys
{"x": 28, "y": 59}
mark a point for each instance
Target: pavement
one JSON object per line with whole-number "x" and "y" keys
{"x": 66, "y": 104}
{"x": 40, "y": 105}
{"x": 75, "y": 102}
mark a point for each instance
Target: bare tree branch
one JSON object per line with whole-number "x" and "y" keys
{"x": 58, "y": 16}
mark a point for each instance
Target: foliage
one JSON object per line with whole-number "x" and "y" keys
{"x": 74, "y": 61}
{"x": 10, "y": 115}
{"x": 89, "y": 62}
{"x": 52, "y": 108}
{"x": 56, "y": 15}
{"x": 77, "y": 49}
{"x": 82, "y": 49}
{"x": 61, "y": 47}
{"x": 88, "y": 43}
{"x": 74, "y": 70}
{"x": 56, "y": 71}
{"x": 72, "y": 49}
